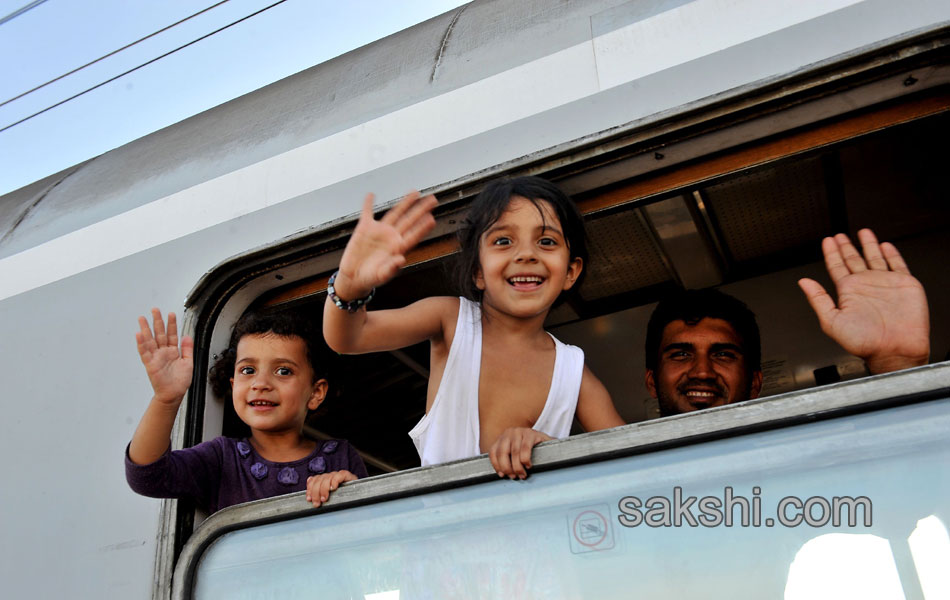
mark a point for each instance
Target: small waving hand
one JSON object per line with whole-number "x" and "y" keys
{"x": 169, "y": 368}
{"x": 378, "y": 248}
{"x": 881, "y": 315}
{"x": 510, "y": 455}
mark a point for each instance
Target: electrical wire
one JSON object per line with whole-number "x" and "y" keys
{"x": 145, "y": 64}
{"x": 113, "y": 53}
{"x": 21, "y": 10}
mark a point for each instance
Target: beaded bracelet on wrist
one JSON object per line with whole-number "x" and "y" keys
{"x": 350, "y": 306}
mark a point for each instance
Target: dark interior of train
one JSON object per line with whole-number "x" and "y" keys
{"x": 751, "y": 231}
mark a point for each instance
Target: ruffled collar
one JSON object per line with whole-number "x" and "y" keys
{"x": 287, "y": 473}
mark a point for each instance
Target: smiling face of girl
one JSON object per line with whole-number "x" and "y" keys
{"x": 273, "y": 385}
{"x": 524, "y": 260}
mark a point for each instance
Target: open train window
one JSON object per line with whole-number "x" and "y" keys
{"x": 753, "y": 231}
{"x": 736, "y": 195}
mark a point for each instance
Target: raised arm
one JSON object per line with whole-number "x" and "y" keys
{"x": 169, "y": 371}
{"x": 372, "y": 257}
{"x": 881, "y": 315}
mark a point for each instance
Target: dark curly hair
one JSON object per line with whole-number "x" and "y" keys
{"x": 692, "y": 306}
{"x": 283, "y": 324}
{"x": 488, "y": 208}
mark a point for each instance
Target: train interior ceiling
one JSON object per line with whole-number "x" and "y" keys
{"x": 752, "y": 232}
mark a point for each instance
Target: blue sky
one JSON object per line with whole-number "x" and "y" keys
{"x": 57, "y": 36}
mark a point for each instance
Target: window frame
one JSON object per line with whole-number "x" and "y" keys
{"x": 851, "y": 95}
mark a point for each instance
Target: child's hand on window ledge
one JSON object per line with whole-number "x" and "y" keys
{"x": 510, "y": 455}
{"x": 320, "y": 486}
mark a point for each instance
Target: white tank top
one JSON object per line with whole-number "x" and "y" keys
{"x": 450, "y": 430}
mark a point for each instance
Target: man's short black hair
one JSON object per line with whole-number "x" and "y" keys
{"x": 692, "y": 306}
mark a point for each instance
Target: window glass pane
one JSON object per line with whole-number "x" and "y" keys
{"x": 560, "y": 533}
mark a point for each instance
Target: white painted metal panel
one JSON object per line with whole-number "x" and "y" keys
{"x": 665, "y": 43}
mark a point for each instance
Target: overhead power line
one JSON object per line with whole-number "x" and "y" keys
{"x": 145, "y": 64}
{"x": 21, "y": 10}
{"x": 113, "y": 53}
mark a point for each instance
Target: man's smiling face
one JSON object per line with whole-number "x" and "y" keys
{"x": 701, "y": 366}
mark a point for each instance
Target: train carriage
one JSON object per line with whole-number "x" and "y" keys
{"x": 708, "y": 143}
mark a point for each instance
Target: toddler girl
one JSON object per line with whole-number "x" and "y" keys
{"x": 274, "y": 378}
{"x": 498, "y": 382}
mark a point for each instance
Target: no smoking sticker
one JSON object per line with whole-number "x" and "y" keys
{"x": 590, "y": 529}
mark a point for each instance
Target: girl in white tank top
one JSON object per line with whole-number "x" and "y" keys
{"x": 498, "y": 382}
